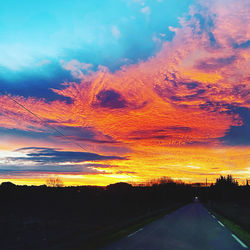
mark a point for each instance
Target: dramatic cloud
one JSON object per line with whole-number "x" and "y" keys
{"x": 179, "y": 108}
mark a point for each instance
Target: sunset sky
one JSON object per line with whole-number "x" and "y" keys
{"x": 98, "y": 92}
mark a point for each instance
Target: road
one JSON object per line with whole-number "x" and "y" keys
{"x": 190, "y": 227}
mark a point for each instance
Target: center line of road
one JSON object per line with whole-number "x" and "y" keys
{"x": 135, "y": 232}
{"x": 221, "y": 223}
{"x": 239, "y": 241}
{"x": 213, "y": 216}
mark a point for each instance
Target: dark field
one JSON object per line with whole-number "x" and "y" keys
{"x": 73, "y": 217}
{"x": 235, "y": 211}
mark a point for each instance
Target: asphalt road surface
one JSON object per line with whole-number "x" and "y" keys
{"x": 190, "y": 227}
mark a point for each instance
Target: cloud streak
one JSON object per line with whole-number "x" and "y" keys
{"x": 50, "y": 155}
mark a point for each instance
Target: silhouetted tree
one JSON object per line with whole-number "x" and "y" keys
{"x": 161, "y": 181}
{"x": 119, "y": 186}
{"x": 226, "y": 181}
{"x": 7, "y": 185}
{"x": 54, "y": 182}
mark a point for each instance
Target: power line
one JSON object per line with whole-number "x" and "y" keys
{"x": 42, "y": 120}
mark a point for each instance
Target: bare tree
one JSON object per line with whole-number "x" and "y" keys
{"x": 54, "y": 182}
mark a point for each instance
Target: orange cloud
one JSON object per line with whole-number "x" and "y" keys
{"x": 181, "y": 97}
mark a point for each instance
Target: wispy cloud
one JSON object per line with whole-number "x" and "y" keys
{"x": 115, "y": 32}
{"x": 146, "y": 10}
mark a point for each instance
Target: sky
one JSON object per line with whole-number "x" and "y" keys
{"x": 98, "y": 92}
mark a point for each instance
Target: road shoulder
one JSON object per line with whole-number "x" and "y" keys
{"x": 238, "y": 231}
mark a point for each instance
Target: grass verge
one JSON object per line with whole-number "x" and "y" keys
{"x": 236, "y": 229}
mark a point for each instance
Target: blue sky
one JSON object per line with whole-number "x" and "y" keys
{"x": 34, "y": 33}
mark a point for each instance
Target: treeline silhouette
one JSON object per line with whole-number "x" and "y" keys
{"x": 55, "y": 217}
{"x": 226, "y": 189}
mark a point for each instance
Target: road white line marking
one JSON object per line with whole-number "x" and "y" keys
{"x": 237, "y": 239}
{"x": 221, "y": 223}
{"x": 135, "y": 232}
{"x": 213, "y": 216}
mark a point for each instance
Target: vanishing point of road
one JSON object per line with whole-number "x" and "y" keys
{"x": 191, "y": 227}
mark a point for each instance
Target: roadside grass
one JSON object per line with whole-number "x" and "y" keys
{"x": 233, "y": 226}
{"x": 114, "y": 234}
